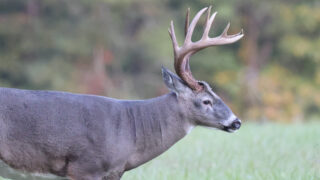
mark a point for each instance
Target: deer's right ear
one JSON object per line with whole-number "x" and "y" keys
{"x": 174, "y": 83}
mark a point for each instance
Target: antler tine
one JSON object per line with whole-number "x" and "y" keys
{"x": 173, "y": 38}
{"x": 206, "y": 29}
{"x": 208, "y": 24}
{"x": 224, "y": 38}
{"x": 224, "y": 34}
{"x": 186, "y": 24}
{"x": 225, "y": 31}
{"x": 193, "y": 25}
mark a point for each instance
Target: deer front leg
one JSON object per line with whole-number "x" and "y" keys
{"x": 85, "y": 169}
{"x": 114, "y": 175}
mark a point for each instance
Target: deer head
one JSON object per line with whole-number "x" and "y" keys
{"x": 200, "y": 105}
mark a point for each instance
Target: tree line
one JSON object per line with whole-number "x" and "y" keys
{"x": 116, "y": 48}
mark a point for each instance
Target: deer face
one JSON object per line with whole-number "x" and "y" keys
{"x": 211, "y": 111}
{"x": 203, "y": 108}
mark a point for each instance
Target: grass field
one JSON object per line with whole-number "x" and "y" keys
{"x": 268, "y": 152}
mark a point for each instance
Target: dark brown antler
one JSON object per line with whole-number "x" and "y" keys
{"x": 182, "y": 54}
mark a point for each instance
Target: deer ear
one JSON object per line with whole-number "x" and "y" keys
{"x": 174, "y": 83}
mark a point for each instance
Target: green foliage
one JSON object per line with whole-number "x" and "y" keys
{"x": 62, "y": 45}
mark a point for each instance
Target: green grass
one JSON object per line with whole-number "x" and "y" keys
{"x": 268, "y": 152}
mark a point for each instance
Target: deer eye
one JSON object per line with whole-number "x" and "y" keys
{"x": 207, "y": 102}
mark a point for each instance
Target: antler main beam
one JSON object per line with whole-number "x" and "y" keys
{"x": 182, "y": 54}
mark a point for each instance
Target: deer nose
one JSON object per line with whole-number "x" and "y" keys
{"x": 236, "y": 124}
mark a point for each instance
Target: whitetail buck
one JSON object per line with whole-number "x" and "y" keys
{"x": 87, "y": 137}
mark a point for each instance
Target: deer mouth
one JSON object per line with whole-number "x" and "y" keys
{"x": 235, "y": 125}
{"x": 228, "y": 129}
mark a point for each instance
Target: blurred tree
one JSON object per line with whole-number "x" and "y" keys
{"x": 116, "y": 48}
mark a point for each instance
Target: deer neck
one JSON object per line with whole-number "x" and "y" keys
{"x": 174, "y": 123}
{"x": 159, "y": 124}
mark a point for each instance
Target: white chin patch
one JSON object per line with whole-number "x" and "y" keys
{"x": 231, "y": 131}
{"x": 189, "y": 129}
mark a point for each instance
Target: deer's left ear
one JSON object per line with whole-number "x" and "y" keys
{"x": 174, "y": 83}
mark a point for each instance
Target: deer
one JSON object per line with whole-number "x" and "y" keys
{"x": 90, "y": 137}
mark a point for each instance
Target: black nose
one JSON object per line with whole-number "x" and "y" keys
{"x": 236, "y": 124}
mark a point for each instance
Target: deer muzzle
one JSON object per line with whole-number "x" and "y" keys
{"x": 234, "y": 125}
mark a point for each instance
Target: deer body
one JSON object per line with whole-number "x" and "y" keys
{"x": 59, "y": 131}
{"x": 87, "y": 137}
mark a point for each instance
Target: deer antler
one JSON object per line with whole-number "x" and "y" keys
{"x": 182, "y": 54}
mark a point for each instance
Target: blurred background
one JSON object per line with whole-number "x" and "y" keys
{"x": 116, "y": 48}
